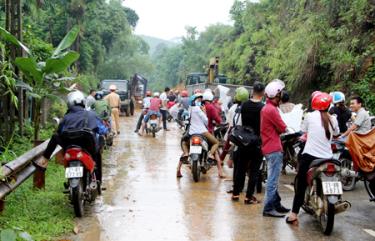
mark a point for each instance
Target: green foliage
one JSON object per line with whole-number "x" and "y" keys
{"x": 366, "y": 89}
{"x": 7, "y": 80}
{"x": 33, "y": 211}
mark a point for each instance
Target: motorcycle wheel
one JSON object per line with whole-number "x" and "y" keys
{"x": 327, "y": 218}
{"x": 78, "y": 199}
{"x": 370, "y": 188}
{"x": 153, "y": 132}
{"x": 348, "y": 183}
{"x": 196, "y": 171}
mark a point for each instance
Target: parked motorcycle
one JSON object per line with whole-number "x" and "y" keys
{"x": 292, "y": 147}
{"x": 323, "y": 193}
{"x": 349, "y": 177}
{"x": 80, "y": 168}
{"x": 152, "y": 125}
{"x": 200, "y": 163}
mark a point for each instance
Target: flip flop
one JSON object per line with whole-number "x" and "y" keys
{"x": 292, "y": 222}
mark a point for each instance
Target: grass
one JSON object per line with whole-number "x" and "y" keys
{"x": 44, "y": 214}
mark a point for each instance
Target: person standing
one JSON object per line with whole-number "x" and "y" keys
{"x": 164, "y": 109}
{"x": 249, "y": 157}
{"x": 114, "y": 103}
{"x": 90, "y": 100}
{"x": 271, "y": 127}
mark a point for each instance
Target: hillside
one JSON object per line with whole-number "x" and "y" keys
{"x": 153, "y": 42}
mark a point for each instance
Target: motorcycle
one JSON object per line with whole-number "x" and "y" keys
{"x": 349, "y": 177}
{"x": 198, "y": 156}
{"x": 81, "y": 170}
{"x": 292, "y": 147}
{"x": 152, "y": 125}
{"x": 108, "y": 137}
{"x": 323, "y": 192}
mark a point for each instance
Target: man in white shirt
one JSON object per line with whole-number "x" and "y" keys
{"x": 90, "y": 100}
{"x": 164, "y": 109}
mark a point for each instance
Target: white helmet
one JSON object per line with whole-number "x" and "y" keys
{"x": 337, "y": 97}
{"x": 207, "y": 95}
{"x": 274, "y": 88}
{"x": 76, "y": 98}
{"x": 156, "y": 94}
{"x": 112, "y": 87}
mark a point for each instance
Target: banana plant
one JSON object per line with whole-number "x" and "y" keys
{"x": 43, "y": 77}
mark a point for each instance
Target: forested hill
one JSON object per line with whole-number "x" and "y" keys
{"x": 310, "y": 44}
{"x": 154, "y": 43}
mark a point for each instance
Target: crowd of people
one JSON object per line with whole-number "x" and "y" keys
{"x": 326, "y": 118}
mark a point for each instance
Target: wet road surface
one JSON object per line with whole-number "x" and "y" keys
{"x": 145, "y": 201}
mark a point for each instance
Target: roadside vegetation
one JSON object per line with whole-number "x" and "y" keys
{"x": 311, "y": 45}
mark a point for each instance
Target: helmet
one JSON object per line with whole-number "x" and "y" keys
{"x": 321, "y": 101}
{"x": 156, "y": 94}
{"x": 198, "y": 91}
{"x": 274, "y": 88}
{"x": 184, "y": 93}
{"x": 76, "y": 98}
{"x": 208, "y": 96}
{"x": 148, "y": 93}
{"x": 197, "y": 95}
{"x": 241, "y": 94}
{"x": 337, "y": 97}
{"x": 112, "y": 87}
{"x": 315, "y": 93}
{"x": 99, "y": 95}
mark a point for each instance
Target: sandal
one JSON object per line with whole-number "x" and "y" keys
{"x": 293, "y": 222}
{"x": 252, "y": 200}
{"x": 179, "y": 175}
{"x": 236, "y": 198}
{"x": 184, "y": 159}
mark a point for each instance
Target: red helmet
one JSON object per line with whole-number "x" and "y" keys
{"x": 196, "y": 91}
{"x": 321, "y": 101}
{"x": 148, "y": 93}
{"x": 184, "y": 93}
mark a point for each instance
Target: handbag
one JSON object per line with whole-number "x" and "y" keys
{"x": 243, "y": 136}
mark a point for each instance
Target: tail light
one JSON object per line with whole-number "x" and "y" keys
{"x": 196, "y": 140}
{"x": 330, "y": 169}
{"x": 334, "y": 147}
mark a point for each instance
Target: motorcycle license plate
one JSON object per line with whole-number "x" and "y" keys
{"x": 336, "y": 155}
{"x": 195, "y": 149}
{"x": 332, "y": 188}
{"x": 74, "y": 172}
{"x": 153, "y": 122}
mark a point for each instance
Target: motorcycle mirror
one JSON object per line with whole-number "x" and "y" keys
{"x": 56, "y": 120}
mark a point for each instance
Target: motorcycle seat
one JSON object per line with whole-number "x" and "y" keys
{"x": 287, "y": 137}
{"x": 81, "y": 138}
{"x": 319, "y": 162}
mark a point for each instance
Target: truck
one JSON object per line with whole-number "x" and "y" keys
{"x": 123, "y": 90}
{"x": 211, "y": 80}
{"x": 201, "y": 81}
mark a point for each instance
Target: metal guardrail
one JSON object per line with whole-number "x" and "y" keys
{"x": 20, "y": 169}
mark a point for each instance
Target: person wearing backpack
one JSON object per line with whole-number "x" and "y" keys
{"x": 249, "y": 158}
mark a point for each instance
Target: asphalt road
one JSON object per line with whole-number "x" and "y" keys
{"x": 145, "y": 201}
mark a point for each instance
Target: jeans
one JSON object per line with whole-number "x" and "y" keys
{"x": 274, "y": 165}
{"x": 164, "y": 117}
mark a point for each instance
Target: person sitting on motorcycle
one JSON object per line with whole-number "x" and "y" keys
{"x": 154, "y": 109}
{"x": 285, "y": 106}
{"x": 320, "y": 127}
{"x": 362, "y": 122}
{"x": 212, "y": 112}
{"x": 76, "y": 118}
{"x": 198, "y": 125}
{"x": 184, "y": 103}
{"x": 343, "y": 114}
{"x": 145, "y": 105}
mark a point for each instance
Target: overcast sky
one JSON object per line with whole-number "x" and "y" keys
{"x": 167, "y": 19}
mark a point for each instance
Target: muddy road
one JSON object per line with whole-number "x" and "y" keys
{"x": 145, "y": 201}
